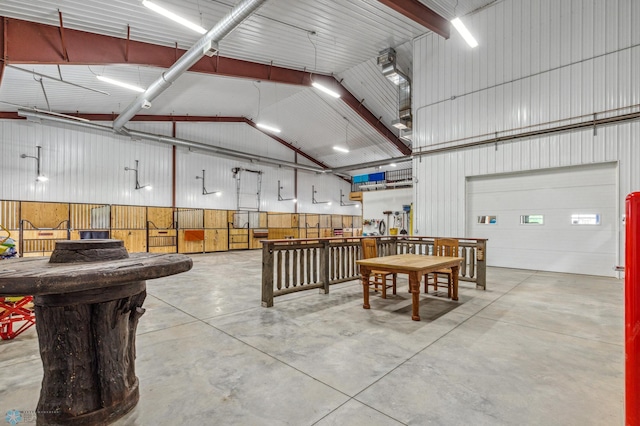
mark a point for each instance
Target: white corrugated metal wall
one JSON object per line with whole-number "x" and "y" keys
{"x": 538, "y": 61}
{"x": 86, "y": 166}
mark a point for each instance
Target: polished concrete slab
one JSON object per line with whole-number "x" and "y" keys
{"x": 534, "y": 348}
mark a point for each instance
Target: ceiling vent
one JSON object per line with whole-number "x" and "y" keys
{"x": 387, "y": 60}
{"x": 210, "y": 48}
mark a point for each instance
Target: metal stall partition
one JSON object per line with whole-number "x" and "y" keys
{"x": 632, "y": 310}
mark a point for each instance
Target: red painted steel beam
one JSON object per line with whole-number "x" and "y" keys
{"x": 288, "y": 145}
{"x": 356, "y": 105}
{"x": 421, "y": 14}
{"x": 30, "y": 43}
{"x": 3, "y": 46}
{"x": 632, "y": 310}
{"x": 181, "y": 119}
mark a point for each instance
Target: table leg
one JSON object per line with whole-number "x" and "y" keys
{"x": 454, "y": 272}
{"x": 366, "y": 273}
{"x": 414, "y": 286}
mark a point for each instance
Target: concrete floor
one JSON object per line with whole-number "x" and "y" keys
{"x": 535, "y": 348}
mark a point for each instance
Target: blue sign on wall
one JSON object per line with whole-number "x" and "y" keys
{"x": 371, "y": 177}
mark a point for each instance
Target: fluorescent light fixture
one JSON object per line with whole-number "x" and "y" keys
{"x": 42, "y": 178}
{"x": 464, "y": 32}
{"x": 167, "y": 14}
{"x": 393, "y": 165}
{"x": 120, "y": 83}
{"x": 147, "y": 187}
{"x": 341, "y": 149}
{"x": 325, "y": 90}
{"x": 268, "y": 128}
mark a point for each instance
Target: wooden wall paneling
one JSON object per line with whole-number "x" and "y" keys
{"x": 230, "y": 216}
{"x": 326, "y": 232}
{"x": 238, "y": 239}
{"x": 190, "y": 218}
{"x": 135, "y": 240}
{"x": 347, "y": 221}
{"x": 312, "y": 220}
{"x": 216, "y": 239}
{"x": 294, "y": 220}
{"x": 162, "y": 240}
{"x": 89, "y": 216}
{"x": 215, "y": 219}
{"x": 186, "y": 243}
{"x": 254, "y": 241}
{"x": 357, "y": 226}
{"x": 128, "y": 217}
{"x": 44, "y": 215}
{"x": 161, "y": 217}
{"x": 10, "y": 216}
{"x": 302, "y": 233}
{"x": 302, "y": 220}
{"x": 41, "y": 242}
{"x": 263, "y": 221}
{"x": 336, "y": 221}
{"x": 282, "y": 233}
{"x": 281, "y": 220}
{"x": 324, "y": 220}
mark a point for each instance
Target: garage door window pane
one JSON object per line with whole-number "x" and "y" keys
{"x": 531, "y": 219}
{"x": 487, "y": 220}
{"x": 585, "y": 219}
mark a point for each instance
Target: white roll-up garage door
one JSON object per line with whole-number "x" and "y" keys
{"x": 561, "y": 220}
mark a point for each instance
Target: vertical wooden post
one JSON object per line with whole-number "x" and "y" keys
{"x": 325, "y": 252}
{"x": 394, "y": 246}
{"x": 481, "y": 256}
{"x": 267, "y": 274}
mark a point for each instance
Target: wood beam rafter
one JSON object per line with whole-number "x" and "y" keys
{"x": 30, "y": 43}
{"x": 421, "y": 14}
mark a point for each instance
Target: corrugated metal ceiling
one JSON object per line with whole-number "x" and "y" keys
{"x": 341, "y": 37}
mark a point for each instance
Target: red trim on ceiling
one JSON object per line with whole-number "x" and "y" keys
{"x": 3, "y": 45}
{"x": 31, "y": 43}
{"x": 181, "y": 119}
{"x": 421, "y": 14}
{"x": 287, "y": 144}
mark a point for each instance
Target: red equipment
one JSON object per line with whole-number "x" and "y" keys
{"x": 632, "y": 310}
{"x": 18, "y": 312}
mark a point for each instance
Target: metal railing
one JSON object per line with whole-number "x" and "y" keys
{"x": 290, "y": 266}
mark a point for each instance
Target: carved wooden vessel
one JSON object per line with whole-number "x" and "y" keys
{"x": 88, "y": 300}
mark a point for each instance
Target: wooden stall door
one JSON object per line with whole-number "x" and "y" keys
{"x": 129, "y": 224}
{"x": 42, "y": 224}
{"x": 161, "y": 234}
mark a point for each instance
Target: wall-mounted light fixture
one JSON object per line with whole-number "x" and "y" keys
{"x": 342, "y": 203}
{"x": 313, "y": 197}
{"x": 204, "y": 190}
{"x": 284, "y": 199}
{"x": 129, "y": 169}
{"x": 40, "y": 177}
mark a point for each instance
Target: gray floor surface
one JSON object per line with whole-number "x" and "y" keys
{"x": 535, "y": 348}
